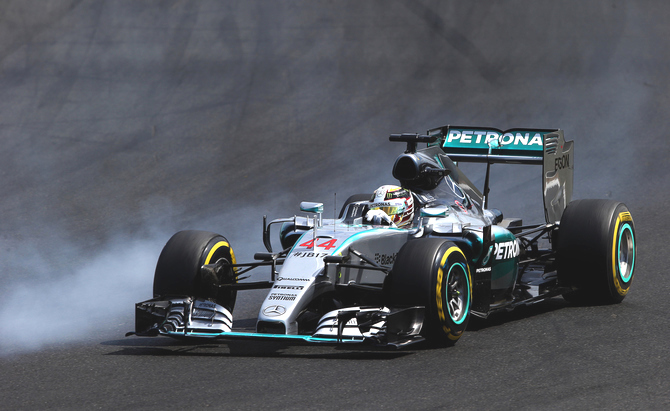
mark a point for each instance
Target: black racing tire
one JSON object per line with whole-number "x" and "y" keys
{"x": 596, "y": 251}
{"x": 178, "y": 270}
{"x": 434, "y": 273}
{"x": 352, "y": 199}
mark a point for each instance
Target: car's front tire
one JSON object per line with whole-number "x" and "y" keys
{"x": 596, "y": 251}
{"x": 178, "y": 271}
{"x": 434, "y": 273}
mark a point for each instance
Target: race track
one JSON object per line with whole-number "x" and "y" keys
{"x": 123, "y": 122}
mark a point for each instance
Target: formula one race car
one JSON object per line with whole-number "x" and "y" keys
{"x": 411, "y": 263}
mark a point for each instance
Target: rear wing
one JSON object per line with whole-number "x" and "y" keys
{"x": 546, "y": 147}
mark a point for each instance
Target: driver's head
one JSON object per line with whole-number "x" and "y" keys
{"x": 395, "y": 201}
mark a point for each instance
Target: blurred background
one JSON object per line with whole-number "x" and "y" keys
{"x": 122, "y": 122}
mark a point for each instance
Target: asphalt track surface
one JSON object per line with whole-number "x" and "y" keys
{"x": 122, "y": 122}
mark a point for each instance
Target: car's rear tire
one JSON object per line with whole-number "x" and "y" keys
{"x": 178, "y": 269}
{"x": 434, "y": 273}
{"x": 596, "y": 251}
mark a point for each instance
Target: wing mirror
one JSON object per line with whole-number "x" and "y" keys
{"x": 310, "y": 207}
{"x": 316, "y": 208}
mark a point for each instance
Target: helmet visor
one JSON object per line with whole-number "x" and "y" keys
{"x": 391, "y": 210}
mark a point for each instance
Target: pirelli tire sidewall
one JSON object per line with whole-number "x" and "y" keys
{"x": 452, "y": 269}
{"x": 597, "y": 251}
{"x": 178, "y": 269}
{"x": 434, "y": 273}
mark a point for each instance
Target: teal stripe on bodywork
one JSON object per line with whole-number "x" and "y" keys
{"x": 354, "y": 237}
{"x": 259, "y": 336}
{"x": 349, "y": 240}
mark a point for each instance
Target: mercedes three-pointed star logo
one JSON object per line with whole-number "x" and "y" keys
{"x": 274, "y": 310}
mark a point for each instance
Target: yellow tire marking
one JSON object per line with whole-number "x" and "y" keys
{"x": 215, "y": 248}
{"x": 456, "y": 336}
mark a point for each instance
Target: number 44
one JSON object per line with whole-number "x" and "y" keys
{"x": 327, "y": 245}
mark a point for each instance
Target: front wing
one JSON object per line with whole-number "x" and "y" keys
{"x": 187, "y": 317}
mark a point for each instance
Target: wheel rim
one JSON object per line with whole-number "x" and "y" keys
{"x": 626, "y": 253}
{"x": 458, "y": 293}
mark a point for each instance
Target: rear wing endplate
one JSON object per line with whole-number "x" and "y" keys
{"x": 546, "y": 147}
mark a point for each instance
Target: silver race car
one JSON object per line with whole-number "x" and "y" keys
{"x": 410, "y": 262}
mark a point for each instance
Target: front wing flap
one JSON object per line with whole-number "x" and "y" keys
{"x": 181, "y": 316}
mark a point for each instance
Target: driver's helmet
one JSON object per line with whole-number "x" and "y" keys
{"x": 395, "y": 201}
